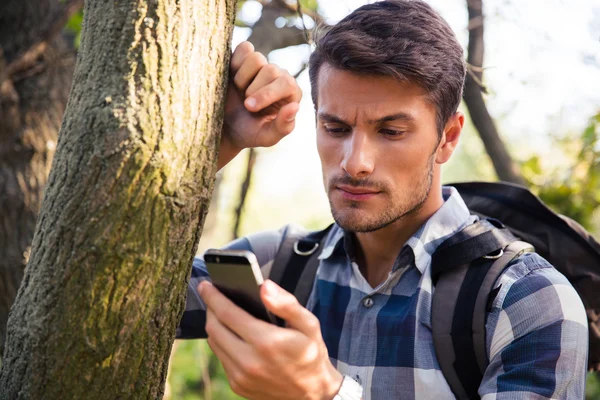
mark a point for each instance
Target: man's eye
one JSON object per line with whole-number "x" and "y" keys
{"x": 392, "y": 132}
{"x": 336, "y": 130}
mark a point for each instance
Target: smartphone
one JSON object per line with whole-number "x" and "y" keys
{"x": 237, "y": 275}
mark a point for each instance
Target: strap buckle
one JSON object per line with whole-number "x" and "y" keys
{"x": 307, "y": 252}
{"x": 496, "y": 256}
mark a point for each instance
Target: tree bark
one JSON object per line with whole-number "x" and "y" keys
{"x": 104, "y": 288}
{"x": 36, "y": 69}
{"x": 505, "y": 167}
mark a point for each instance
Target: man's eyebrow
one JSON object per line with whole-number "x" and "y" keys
{"x": 323, "y": 116}
{"x": 330, "y": 118}
{"x": 394, "y": 117}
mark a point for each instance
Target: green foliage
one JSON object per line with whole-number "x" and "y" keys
{"x": 592, "y": 387}
{"x": 311, "y": 5}
{"x": 197, "y": 374}
{"x": 573, "y": 191}
{"x": 74, "y": 27}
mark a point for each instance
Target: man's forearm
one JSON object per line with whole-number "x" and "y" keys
{"x": 227, "y": 152}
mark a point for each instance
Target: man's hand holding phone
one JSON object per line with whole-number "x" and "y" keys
{"x": 262, "y": 360}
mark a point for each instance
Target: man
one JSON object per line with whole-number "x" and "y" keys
{"x": 386, "y": 84}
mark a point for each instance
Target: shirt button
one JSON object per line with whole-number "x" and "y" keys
{"x": 368, "y": 302}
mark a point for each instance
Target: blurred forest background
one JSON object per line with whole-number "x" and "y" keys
{"x": 533, "y": 99}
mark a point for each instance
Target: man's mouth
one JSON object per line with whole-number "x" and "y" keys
{"x": 356, "y": 193}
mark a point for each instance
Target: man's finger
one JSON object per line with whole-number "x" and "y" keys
{"x": 266, "y": 96}
{"x": 232, "y": 369}
{"x": 221, "y": 336}
{"x": 242, "y": 51}
{"x": 251, "y": 66}
{"x": 265, "y": 76}
{"x": 285, "y": 121}
{"x": 285, "y": 306}
{"x": 230, "y": 315}
{"x": 284, "y": 81}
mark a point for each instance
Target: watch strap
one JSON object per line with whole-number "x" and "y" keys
{"x": 350, "y": 390}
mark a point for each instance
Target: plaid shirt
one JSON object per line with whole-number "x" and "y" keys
{"x": 537, "y": 337}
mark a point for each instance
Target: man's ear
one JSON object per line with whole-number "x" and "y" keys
{"x": 450, "y": 137}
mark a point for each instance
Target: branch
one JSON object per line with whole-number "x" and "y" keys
{"x": 504, "y": 165}
{"x": 266, "y": 37}
{"x": 476, "y": 22}
{"x": 302, "y": 69}
{"x": 244, "y": 192}
{"x": 27, "y": 58}
{"x": 307, "y": 35}
{"x": 471, "y": 70}
{"x": 293, "y": 9}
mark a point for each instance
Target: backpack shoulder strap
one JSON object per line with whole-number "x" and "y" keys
{"x": 295, "y": 265}
{"x": 487, "y": 294}
{"x": 285, "y": 252}
{"x": 484, "y": 237}
{"x": 461, "y": 299}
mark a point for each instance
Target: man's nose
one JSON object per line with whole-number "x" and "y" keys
{"x": 358, "y": 161}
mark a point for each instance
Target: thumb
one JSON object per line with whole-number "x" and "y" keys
{"x": 284, "y": 305}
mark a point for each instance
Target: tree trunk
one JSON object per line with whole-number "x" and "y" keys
{"x": 33, "y": 94}
{"x": 505, "y": 167}
{"x": 104, "y": 288}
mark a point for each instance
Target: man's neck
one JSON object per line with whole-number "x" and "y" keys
{"x": 377, "y": 251}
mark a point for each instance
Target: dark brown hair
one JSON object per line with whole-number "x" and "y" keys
{"x": 405, "y": 39}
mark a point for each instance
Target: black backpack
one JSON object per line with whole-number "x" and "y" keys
{"x": 466, "y": 266}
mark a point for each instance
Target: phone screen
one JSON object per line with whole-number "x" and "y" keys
{"x": 237, "y": 275}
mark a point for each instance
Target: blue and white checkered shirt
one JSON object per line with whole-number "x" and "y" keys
{"x": 537, "y": 336}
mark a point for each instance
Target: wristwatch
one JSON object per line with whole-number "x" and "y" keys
{"x": 350, "y": 390}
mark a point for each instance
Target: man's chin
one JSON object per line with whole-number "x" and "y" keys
{"x": 357, "y": 221}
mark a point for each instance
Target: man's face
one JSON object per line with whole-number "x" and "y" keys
{"x": 377, "y": 139}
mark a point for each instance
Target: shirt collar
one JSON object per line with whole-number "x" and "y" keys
{"x": 451, "y": 217}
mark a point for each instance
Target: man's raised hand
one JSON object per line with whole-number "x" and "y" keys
{"x": 261, "y": 105}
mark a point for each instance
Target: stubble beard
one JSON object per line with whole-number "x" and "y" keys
{"x": 355, "y": 222}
